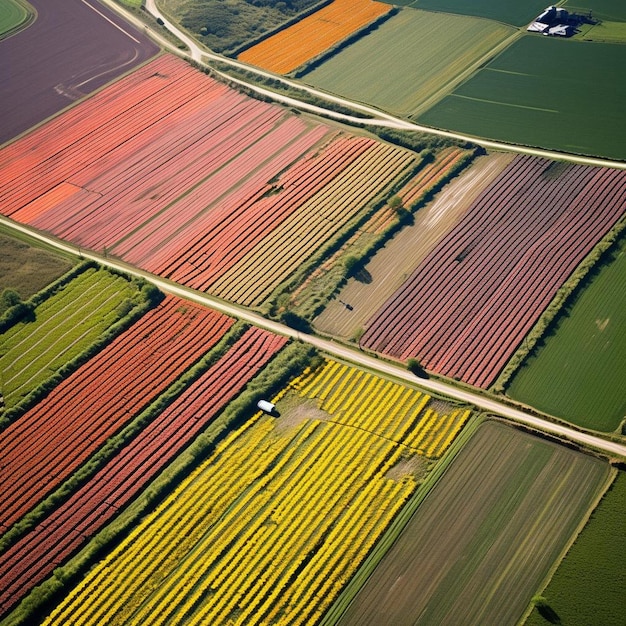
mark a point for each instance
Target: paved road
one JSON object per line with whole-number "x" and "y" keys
{"x": 341, "y": 351}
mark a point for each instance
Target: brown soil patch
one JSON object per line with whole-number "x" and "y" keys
{"x": 28, "y": 269}
{"x": 393, "y": 264}
{"x": 413, "y": 465}
{"x": 294, "y": 410}
{"x": 602, "y": 324}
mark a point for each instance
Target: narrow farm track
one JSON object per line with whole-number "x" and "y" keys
{"x": 378, "y": 118}
{"x": 479, "y": 400}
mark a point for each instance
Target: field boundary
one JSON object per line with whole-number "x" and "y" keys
{"x": 338, "y": 608}
{"x": 613, "y": 473}
{"x": 565, "y": 297}
{"x": 31, "y": 16}
{"x": 316, "y": 61}
{"x": 148, "y": 297}
{"x": 293, "y": 357}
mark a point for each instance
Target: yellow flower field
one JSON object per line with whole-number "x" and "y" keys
{"x": 274, "y": 523}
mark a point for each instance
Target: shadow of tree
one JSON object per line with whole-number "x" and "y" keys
{"x": 363, "y": 276}
{"x": 549, "y": 614}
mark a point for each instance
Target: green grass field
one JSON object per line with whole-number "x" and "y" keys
{"x": 562, "y": 95}
{"x": 62, "y": 327}
{"x": 516, "y": 12}
{"x": 490, "y": 529}
{"x": 611, "y": 10}
{"x": 407, "y": 58}
{"x": 589, "y": 586}
{"x": 12, "y": 15}
{"x": 579, "y": 373}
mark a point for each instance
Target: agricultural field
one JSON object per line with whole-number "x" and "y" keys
{"x": 610, "y": 10}
{"x": 465, "y": 309}
{"x": 588, "y": 587}
{"x": 60, "y": 328}
{"x": 283, "y": 511}
{"x": 370, "y": 287}
{"x": 490, "y": 529}
{"x": 563, "y": 95}
{"x": 227, "y": 26}
{"x": 26, "y": 269}
{"x": 32, "y": 558}
{"x": 70, "y": 50}
{"x": 180, "y": 175}
{"x": 309, "y": 37}
{"x": 13, "y": 14}
{"x": 408, "y": 58}
{"x": 579, "y": 371}
{"x": 93, "y": 403}
{"x": 515, "y": 12}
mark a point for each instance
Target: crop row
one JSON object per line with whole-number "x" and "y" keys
{"x": 225, "y": 242}
{"x": 282, "y": 517}
{"x": 469, "y": 304}
{"x": 194, "y": 181}
{"x": 61, "y": 327}
{"x": 96, "y": 128}
{"x": 387, "y": 409}
{"x": 316, "y": 221}
{"x": 33, "y": 558}
{"x": 44, "y": 446}
{"x": 431, "y": 175}
{"x": 309, "y": 37}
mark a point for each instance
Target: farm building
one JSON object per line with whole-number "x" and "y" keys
{"x": 552, "y": 22}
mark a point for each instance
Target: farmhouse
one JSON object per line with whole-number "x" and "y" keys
{"x": 552, "y": 22}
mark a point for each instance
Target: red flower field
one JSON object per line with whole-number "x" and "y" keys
{"x": 32, "y": 559}
{"x": 469, "y": 304}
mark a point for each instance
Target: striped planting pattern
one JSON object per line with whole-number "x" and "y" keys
{"x": 281, "y": 516}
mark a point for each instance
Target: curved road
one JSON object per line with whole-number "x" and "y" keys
{"x": 378, "y": 118}
{"x": 344, "y": 352}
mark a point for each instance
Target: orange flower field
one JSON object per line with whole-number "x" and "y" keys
{"x": 293, "y": 46}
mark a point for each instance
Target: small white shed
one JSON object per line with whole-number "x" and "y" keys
{"x": 266, "y": 406}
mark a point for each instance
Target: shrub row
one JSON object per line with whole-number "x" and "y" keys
{"x": 114, "y": 444}
{"x": 148, "y": 296}
{"x": 21, "y": 310}
{"x": 333, "y": 245}
{"x": 287, "y": 363}
{"x": 364, "y": 255}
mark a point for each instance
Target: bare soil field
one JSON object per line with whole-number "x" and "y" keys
{"x": 391, "y": 266}
{"x": 483, "y": 540}
{"x": 72, "y": 48}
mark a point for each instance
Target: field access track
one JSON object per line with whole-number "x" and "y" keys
{"x": 33, "y": 558}
{"x": 43, "y": 447}
{"x": 469, "y": 304}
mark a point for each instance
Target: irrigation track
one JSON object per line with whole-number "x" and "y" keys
{"x": 332, "y": 348}
{"x": 377, "y": 117}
